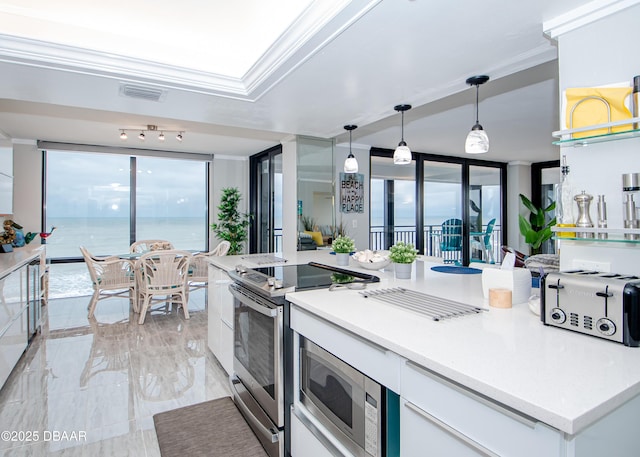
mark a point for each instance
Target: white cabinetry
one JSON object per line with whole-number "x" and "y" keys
{"x": 13, "y": 320}
{"x": 220, "y": 317}
{"x": 441, "y": 418}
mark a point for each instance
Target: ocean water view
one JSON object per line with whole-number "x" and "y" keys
{"x": 109, "y": 236}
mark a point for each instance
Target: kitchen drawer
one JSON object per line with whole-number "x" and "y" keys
{"x": 375, "y": 361}
{"x": 465, "y": 419}
{"x": 13, "y": 342}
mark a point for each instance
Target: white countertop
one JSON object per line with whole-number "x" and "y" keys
{"x": 9, "y": 261}
{"x": 565, "y": 379}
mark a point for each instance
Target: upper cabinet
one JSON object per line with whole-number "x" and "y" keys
{"x": 6, "y": 180}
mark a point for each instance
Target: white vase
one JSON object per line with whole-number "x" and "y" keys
{"x": 342, "y": 258}
{"x": 403, "y": 270}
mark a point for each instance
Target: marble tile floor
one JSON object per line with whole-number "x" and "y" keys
{"x": 91, "y": 387}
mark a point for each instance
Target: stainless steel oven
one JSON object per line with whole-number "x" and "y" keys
{"x": 258, "y": 365}
{"x": 262, "y": 383}
{"x": 350, "y": 405}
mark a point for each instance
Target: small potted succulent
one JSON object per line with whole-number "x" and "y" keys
{"x": 343, "y": 246}
{"x": 402, "y": 255}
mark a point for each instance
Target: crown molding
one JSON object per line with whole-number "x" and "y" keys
{"x": 316, "y": 27}
{"x": 586, "y": 14}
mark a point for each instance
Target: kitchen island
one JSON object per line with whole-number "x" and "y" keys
{"x": 576, "y": 394}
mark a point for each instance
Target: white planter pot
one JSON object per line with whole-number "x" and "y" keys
{"x": 403, "y": 270}
{"x": 342, "y": 258}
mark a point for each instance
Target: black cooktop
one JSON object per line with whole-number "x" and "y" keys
{"x": 313, "y": 275}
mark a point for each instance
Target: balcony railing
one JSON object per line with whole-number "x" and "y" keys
{"x": 433, "y": 240}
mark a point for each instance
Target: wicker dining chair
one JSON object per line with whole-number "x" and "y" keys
{"x": 110, "y": 277}
{"x": 199, "y": 268}
{"x": 142, "y": 246}
{"x": 163, "y": 276}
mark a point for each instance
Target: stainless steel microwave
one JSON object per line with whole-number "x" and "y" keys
{"x": 351, "y": 406}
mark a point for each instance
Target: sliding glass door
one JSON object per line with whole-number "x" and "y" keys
{"x": 455, "y": 204}
{"x": 266, "y": 201}
{"x": 393, "y": 203}
{"x": 485, "y": 214}
{"x": 443, "y": 210}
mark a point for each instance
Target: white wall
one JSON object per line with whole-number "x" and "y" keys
{"x": 227, "y": 171}
{"x": 357, "y": 224}
{"x": 27, "y": 186}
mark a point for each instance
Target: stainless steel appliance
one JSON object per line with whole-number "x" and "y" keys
{"x": 263, "y": 360}
{"x": 606, "y": 305}
{"x": 347, "y": 403}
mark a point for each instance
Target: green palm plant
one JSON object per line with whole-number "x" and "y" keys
{"x": 536, "y": 229}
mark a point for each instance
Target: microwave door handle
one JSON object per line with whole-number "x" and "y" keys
{"x": 270, "y": 312}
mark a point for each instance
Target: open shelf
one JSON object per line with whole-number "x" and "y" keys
{"x": 613, "y": 235}
{"x": 566, "y": 136}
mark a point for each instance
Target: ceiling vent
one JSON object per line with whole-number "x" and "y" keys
{"x": 145, "y": 93}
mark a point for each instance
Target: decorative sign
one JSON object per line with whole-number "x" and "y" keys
{"x": 351, "y": 193}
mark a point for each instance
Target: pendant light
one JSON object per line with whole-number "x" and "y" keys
{"x": 402, "y": 154}
{"x": 477, "y": 139}
{"x": 350, "y": 164}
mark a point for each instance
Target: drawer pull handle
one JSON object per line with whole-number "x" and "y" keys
{"x": 451, "y": 431}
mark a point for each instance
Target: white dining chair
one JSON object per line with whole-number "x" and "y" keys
{"x": 142, "y": 246}
{"x": 110, "y": 277}
{"x": 163, "y": 276}
{"x": 199, "y": 268}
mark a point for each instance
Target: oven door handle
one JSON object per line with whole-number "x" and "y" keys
{"x": 262, "y": 309}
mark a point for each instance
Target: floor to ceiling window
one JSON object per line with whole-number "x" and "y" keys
{"x": 456, "y": 203}
{"x": 393, "y": 203}
{"x": 106, "y": 201}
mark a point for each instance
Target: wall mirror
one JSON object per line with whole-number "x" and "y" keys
{"x": 316, "y": 207}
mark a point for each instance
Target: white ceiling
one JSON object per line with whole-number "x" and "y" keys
{"x": 238, "y": 77}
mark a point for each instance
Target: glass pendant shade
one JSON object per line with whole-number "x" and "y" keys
{"x": 402, "y": 154}
{"x": 477, "y": 141}
{"x": 350, "y": 164}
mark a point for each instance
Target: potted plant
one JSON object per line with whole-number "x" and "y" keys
{"x": 536, "y": 229}
{"x": 232, "y": 224}
{"x": 343, "y": 246}
{"x": 402, "y": 255}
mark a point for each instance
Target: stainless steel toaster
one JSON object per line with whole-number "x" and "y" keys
{"x": 606, "y": 305}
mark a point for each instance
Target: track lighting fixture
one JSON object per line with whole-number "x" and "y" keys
{"x": 477, "y": 139}
{"x": 350, "y": 164}
{"x": 151, "y": 128}
{"x": 402, "y": 154}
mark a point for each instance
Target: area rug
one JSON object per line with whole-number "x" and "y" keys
{"x": 213, "y": 429}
